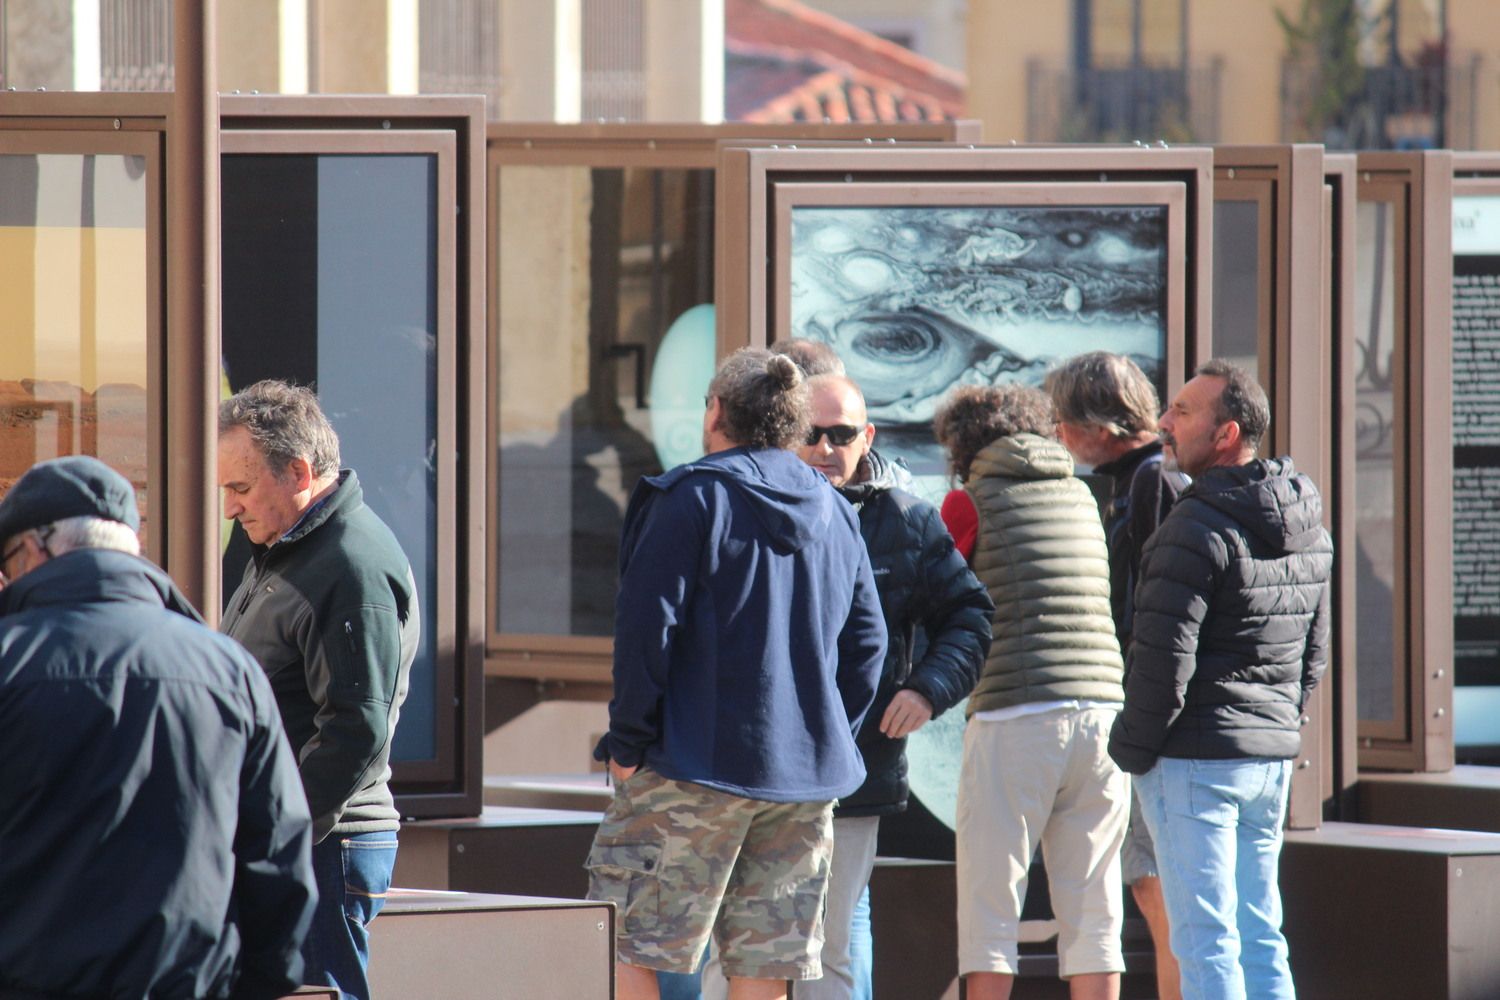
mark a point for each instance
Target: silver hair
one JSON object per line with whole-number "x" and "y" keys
{"x": 72, "y": 533}
{"x": 286, "y": 423}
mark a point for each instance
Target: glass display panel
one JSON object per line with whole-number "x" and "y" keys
{"x": 1374, "y": 462}
{"x": 606, "y": 345}
{"x": 330, "y": 271}
{"x": 74, "y": 314}
{"x": 917, "y": 299}
{"x": 1237, "y": 286}
{"x": 1476, "y": 478}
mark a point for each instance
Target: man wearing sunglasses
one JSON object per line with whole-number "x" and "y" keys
{"x": 923, "y": 582}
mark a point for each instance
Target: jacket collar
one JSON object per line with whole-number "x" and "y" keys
{"x": 95, "y": 576}
{"x": 346, "y": 496}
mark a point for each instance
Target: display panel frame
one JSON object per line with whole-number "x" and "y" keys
{"x": 583, "y": 663}
{"x": 74, "y": 142}
{"x": 450, "y": 783}
{"x": 1474, "y": 175}
{"x": 1298, "y": 239}
{"x": 1418, "y": 187}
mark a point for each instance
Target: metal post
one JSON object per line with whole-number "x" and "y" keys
{"x": 192, "y": 356}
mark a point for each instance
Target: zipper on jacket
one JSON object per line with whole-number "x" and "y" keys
{"x": 349, "y": 636}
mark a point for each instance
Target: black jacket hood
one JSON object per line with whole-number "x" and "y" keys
{"x": 1269, "y": 499}
{"x": 880, "y": 476}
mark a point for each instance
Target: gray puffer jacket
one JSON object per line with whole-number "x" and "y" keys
{"x": 1042, "y": 556}
{"x": 1231, "y": 621}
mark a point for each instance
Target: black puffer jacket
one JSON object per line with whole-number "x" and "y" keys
{"x": 1231, "y": 621}
{"x": 922, "y": 581}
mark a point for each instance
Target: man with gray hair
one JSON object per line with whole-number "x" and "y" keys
{"x": 1231, "y": 636}
{"x": 1106, "y": 411}
{"x": 154, "y": 838}
{"x": 328, "y": 605}
{"x": 748, "y": 643}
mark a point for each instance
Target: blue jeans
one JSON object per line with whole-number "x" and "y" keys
{"x": 353, "y": 872}
{"x": 862, "y": 949}
{"x": 1217, "y": 826}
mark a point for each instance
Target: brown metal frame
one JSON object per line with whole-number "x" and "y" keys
{"x": 1338, "y": 713}
{"x": 1295, "y": 365}
{"x": 748, "y": 175}
{"x": 149, "y": 147}
{"x": 450, "y": 784}
{"x": 1419, "y": 186}
{"x": 584, "y": 662}
{"x": 443, "y": 147}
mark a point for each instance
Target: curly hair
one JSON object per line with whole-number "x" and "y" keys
{"x": 974, "y": 415}
{"x": 763, "y": 398}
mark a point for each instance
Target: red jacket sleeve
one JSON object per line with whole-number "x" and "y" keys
{"x": 962, "y": 520}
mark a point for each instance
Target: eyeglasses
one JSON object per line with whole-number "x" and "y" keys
{"x": 6, "y": 556}
{"x": 839, "y": 435}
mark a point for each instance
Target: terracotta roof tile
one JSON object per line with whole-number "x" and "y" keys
{"x": 787, "y": 62}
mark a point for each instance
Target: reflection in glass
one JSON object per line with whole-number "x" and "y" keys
{"x": 918, "y": 299}
{"x": 603, "y": 361}
{"x": 1374, "y": 470}
{"x": 1237, "y": 319}
{"x": 330, "y": 280}
{"x": 73, "y": 313}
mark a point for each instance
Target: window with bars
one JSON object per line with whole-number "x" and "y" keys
{"x": 614, "y": 60}
{"x": 459, "y": 49}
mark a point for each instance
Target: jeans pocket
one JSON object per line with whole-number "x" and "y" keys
{"x": 367, "y": 875}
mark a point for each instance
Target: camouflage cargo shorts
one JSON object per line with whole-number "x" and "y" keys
{"x": 681, "y": 861}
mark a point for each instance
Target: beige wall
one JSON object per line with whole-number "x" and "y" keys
{"x": 998, "y": 54}
{"x": 1474, "y": 26}
{"x": 249, "y": 46}
{"x": 39, "y": 44}
{"x": 1248, "y": 39}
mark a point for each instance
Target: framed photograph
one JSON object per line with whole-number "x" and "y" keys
{"x": 923, "y": 287}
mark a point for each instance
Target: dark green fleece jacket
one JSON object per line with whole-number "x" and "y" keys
{"x": 330, "y": 612}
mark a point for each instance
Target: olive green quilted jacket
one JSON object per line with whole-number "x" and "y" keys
{"x": 1042, "y": 556}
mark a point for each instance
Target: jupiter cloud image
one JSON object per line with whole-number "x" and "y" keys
{"x": 918, "y": 299}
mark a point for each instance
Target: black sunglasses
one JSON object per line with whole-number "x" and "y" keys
{"x": 838, "y": 435}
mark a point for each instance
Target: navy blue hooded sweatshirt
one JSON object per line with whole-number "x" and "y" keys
{"x": 748, "y": 634}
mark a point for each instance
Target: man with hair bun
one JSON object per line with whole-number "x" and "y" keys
{"x": 748, "y": 644}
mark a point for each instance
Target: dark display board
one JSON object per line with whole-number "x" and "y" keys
{"x": 1476, "y": 467}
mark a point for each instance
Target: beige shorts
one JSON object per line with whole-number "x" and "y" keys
{"x": 1041, "y": 779}
{"x": 681, "y": 861}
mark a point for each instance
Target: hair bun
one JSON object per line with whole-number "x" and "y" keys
{"x": 784, "y": 370}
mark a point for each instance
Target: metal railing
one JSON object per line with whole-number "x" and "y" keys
{"x": 1388, "y": 107}
{"x": 1123, "y": 103}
